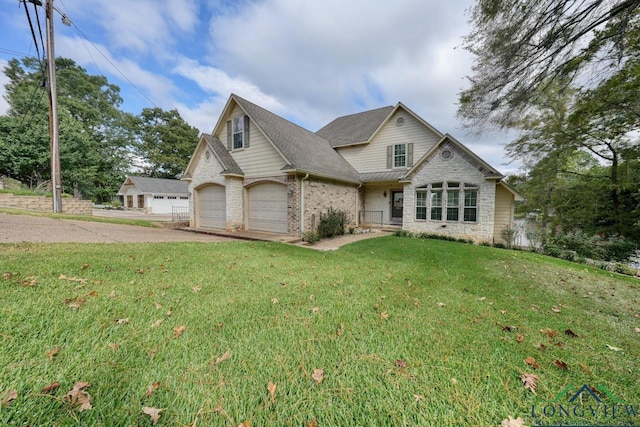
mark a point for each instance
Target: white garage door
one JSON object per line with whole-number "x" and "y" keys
{"x": 268, "y": 207}
{"x": 212, "y": 207}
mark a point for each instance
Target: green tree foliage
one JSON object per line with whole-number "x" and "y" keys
{"x": 165, "y": 142}
{"x": 93, "y": 147}
{"x": 522, "y": 46}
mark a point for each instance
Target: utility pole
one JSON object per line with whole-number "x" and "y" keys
{"x": 56, "y": 180}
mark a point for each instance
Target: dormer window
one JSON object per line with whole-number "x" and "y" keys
{"x": 238, "y": 133}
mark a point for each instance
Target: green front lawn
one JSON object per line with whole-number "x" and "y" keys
{"x": 405, "y": 331}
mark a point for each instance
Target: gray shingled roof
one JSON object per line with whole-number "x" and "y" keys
{"x": 382, "y": 176}
{"x": 304, "y": 150}
{"x": 159, "y": 185}
{"x": 354, "y": 128}
{"x": 224, "y": 157}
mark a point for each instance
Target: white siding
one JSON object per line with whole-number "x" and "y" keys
{"x": 372, "y": 157}
{"x": 260, "y": 159}
{"x": 377, "y": 198}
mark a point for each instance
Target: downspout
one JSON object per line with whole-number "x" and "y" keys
{"x": 302, "y": 204}
{"x": 358, "y": 205}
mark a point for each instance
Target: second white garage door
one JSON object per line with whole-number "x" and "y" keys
{"x": 268, "y": 207}
{"x": 212, "y": 207}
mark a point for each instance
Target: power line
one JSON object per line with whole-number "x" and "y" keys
{"x": 33, "y": 33}
{"x": 35, "y": 8}
{"x": 107, "y": 58}
{"x": 114, "y": 65}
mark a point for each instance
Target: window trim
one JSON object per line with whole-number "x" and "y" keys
{"x": 400, "y": 156}
{"x": 237, "y": 129}
{"x": 433, "y": 202}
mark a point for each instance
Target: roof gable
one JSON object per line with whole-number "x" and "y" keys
{"x": 361, "y": 128}
{"x": 447, "y": 140}
{"x": 148, "y": 185}
{"x": 302, "y": 150}
{"x": 354, "y": 128}
{"x": 228, "y": 164}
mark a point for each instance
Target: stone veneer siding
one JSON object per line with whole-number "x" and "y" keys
{"x": 456, "y": 169}
{"x": 207, "y": 172}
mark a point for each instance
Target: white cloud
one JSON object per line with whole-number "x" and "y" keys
{"x": 216, "y": 81}
{"x": 160, "y": 89}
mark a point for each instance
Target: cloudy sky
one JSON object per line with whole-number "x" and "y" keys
{"x": 309, "y": 61}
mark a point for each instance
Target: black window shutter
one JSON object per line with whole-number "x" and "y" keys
{"x": 410, "y": 154}
{"x": 389, "y": 156}
{"x": 246, "y": 131}
{"x": 229, "y": 135}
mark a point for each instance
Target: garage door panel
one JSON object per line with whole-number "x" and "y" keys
{"x": 268, "y": 208}
{"x": 212, "y": 207}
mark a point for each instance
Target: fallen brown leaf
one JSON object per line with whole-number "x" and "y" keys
{"x": 340, "y": 330}
{"x": 540, "y": 346}
{"x": 78, "y": 396}
{"x": 549, "y": 332}
{"x": 197, "y": 289}
{"x": 178, "y": 330}
{"x": 584, "y": 368}
{"x": 312, "y": 423}
{"x": 530, "y": 381}
{"x": 384, "y": 315}
{"x": 560, "y": 364}
{"x": 49, "y": 387}
{"x": 77, "y": 303}
{"x": 318, "y": 375}
{"x": 555, "y": 309}
{"x": 154, "y": 413}
{"x": 520, "y": 338}
{"x": 531, "y": 361}
{"x": 570, "y": 333}
{"x": 114, "y": 346}
{"x": 401, "y": 363}
{"x": 9, "y": 397}
{"x": 512, "y": 422}
{"x": 157, "y": 323}
{"x": 53, "y": 352}
{"x": 225, "y": 356}
{"x": 122, "y": 321}
{"x": 272, "y": 391}
{"x": 151, "y": 388}
{"x": 508, "y": 328}
{"x": 441, "y": 304}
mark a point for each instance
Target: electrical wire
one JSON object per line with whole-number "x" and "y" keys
{"x": 35, "y": 8}
{"x": 107, "y": 58}
{"x": 33, "y": 33}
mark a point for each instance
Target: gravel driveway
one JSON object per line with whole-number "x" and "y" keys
{"x": 25, "y": 228}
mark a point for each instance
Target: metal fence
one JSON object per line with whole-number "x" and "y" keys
{"x": 373, "y": 218}
{"x": 179, "y": 213}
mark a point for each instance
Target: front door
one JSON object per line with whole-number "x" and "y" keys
{"x": 397, "y": 200}
{"x": 140, "y": 201}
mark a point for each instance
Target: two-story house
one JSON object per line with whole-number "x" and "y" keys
{"x": 384, "y": 167}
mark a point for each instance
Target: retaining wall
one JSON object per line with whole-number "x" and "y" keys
{"x": 45, "y": 204}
